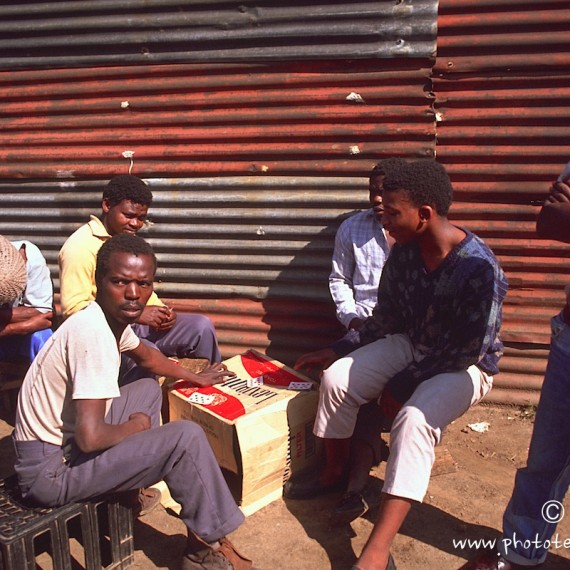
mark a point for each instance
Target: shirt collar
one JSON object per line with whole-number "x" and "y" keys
{"x": 98, "y": 228}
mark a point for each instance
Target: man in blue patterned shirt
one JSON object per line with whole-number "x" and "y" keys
{"x": 428, "y": 352}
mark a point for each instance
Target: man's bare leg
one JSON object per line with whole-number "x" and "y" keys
{"x": 362, "y": 460}
{"x": 337, "y": 455}
{"x": 392, "y": 513}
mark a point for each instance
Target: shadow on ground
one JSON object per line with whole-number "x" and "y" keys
{"x": 314, "y": 517}
{"x": 425, "y": 523}
{"x": 163, "y": 549}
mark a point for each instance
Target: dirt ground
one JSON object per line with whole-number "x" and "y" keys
{"x": 296, "y": 535}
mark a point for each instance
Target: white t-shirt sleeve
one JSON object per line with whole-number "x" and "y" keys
{"x": 39, "y": 290}
{"x": 94, "y": 360}
{"x": 129, "y": 340}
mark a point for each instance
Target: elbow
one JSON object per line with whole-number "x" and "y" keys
{"x": 86, "y": 442}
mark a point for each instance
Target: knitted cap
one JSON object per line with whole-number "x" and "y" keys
{"x": 12, "y": 273}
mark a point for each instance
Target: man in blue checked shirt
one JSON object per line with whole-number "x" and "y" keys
{"x": 360, "y": 251}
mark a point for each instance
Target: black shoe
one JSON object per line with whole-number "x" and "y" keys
{"x": 349, "y": 508}
{"x": 309, "y": 487}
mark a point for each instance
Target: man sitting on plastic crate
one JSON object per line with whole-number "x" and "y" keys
{"x": 80, "y": 435}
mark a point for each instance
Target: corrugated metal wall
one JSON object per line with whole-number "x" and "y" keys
{"x": 106, "y": 32}
{"x": 252, "y": 168}
{"x": 252, "y": 161}
{"x": 254, "y": 164}
{"x": 502, "y": 86}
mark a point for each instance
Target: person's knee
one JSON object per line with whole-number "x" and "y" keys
{"x": 152, "y": 394}
{"x": 150, "y": 387}
{"x": 411, "y": 423}
{"x": 332, "y": 379}
{"x": 328, "y": 386}
{"x": 198, "y": 323}
{"x": 187, "y": 433}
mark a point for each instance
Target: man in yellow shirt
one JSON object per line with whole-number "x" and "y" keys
{"x": 125, "y": 204}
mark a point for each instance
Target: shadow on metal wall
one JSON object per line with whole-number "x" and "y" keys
{"x": 298, "y": 309}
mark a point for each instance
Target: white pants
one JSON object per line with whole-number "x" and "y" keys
{"x": 361, "y": 377}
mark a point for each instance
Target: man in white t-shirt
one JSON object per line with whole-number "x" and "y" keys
{"x": 79, "y": 434}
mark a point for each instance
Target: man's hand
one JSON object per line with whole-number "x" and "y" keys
{"x": 318, "y": 360}
{"x": 140, "y": 419}
{"x": 25, "y": 320}
{"x": 554, "y": 218}
{"x": 213, "y": 374}
{"x": 158, "y": 317}
{"x": 559, "y": 192}
{"x": 39, "y": 322}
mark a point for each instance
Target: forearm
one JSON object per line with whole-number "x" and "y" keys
{"x": 462, "y": 345}
{"x": 388, "y": 316}
{"x": 154, "y": 361}
{"x": 348, "y": 343}
{"x": 20, "y": 314}
{"x": 35, "y": 322}
{"x": 343, "y": 297}
{"x": 103, "y": 435}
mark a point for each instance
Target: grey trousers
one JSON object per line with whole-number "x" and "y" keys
{"x": 177, "y": 453}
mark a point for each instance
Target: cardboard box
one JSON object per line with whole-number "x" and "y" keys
{"x": 261, "y": 434}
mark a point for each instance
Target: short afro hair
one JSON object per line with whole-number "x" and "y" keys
{"x": 425, "y": 181}
{"x": 121, "y": 243}
{"x": 386, "y": 166}
{"x": 127, "y": 187}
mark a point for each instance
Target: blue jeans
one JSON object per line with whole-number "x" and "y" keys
{"x": 529, "y": 516}
{"x": 24, "y": 346}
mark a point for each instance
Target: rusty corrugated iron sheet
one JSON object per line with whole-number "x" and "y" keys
{"x": 76, "y": 33}
{"x": 502, "y": 36}
{"x": 191, "y": 120}
{"x": 252, "y": 168}
{"x": 273, "y": 326}
{"x": 265, "y": 159}
{"x": 502, "y": 87}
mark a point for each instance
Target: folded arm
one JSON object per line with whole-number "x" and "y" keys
{"x": 23, "y": 320}
{"x": 93, "y": 433}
